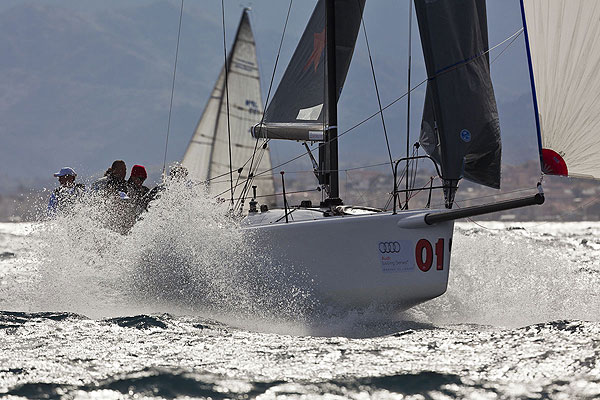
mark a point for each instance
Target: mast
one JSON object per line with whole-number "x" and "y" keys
{"x": 331, "y": 145}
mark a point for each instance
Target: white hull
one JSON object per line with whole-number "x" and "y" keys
{"x": 355, "y": 261}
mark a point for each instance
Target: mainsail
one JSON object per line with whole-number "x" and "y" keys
{"x": 207, "y": 155}
{"x": 460, "y": 127}
{"x": 563, "y": 40}
{"x": 298, "y": 110}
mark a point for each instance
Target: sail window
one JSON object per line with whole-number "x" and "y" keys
{"x": 310, "y": 114}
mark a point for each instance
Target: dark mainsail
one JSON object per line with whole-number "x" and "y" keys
{"x": 460, "y": 127}
{"x": 298, "y": 110}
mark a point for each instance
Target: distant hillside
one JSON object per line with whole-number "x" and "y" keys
{"x": 84, "y": 89}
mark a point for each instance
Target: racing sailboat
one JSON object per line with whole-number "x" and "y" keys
{"x": 226, "y": 121}
{"x": 356, "y": 256}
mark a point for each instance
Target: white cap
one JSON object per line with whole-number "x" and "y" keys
{"x": 65, "y": 171}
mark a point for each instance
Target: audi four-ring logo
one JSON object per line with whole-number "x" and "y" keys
{"x": 389, "y": 247}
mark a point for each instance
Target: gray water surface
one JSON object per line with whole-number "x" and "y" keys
{"x": 521, "y": 319}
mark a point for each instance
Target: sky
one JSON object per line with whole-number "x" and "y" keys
{"x": 386, "y": 21}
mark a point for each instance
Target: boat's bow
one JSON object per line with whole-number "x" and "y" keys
{"x": 354, "y": 261}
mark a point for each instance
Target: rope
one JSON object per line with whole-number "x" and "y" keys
{"x": 227, "y": 99}
{"x": 172, "y": 91}
{"x": 559, "y": 218}
{"x": 360, "y": 192}
{"x": 410, "y": 18}
{"x": 250, "y": 174}
{"x": 387, "y": 142}
{"x": 312, "y": 172}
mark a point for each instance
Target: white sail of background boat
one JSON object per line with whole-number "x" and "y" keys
{"x": 207, "y": 155}
{"x": 358, "y": 256}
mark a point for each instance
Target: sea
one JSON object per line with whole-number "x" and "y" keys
{"x": 177, "y": 308}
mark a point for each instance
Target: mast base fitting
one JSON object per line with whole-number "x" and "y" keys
{"x": 253, "y": 204}
{"x": 332, "y": 202}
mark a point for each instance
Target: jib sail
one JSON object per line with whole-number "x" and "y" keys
{"x": 460, "y": 127}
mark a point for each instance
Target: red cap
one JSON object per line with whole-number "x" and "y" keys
{"x": 139, "y": 171}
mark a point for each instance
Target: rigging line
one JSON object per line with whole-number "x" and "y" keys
{"x": 312, "y": 171}
{"x": 529, "y": 189}
{"x": 415, "y": 192}
{"x": 172, "y": 91}
{"x": 408, "y": 88}
{"x": 581, "y": 207}
{"x": 399, "y": 180}
{"x": 392, "y": 103}
{"x": 560, "y": 217}
{"x": 286, "y": 192}
{"x": 268, "y": 95}
{"x": 227, "y": 99}
{"x": 415, "y": 169}
{"x": 371, "y": 200}
{"x": 360, "y": 192}
{"x": 387, "y": 142}
{"x": 249, "y": 179}
{"x": 515, "y": 36}
{"x": 470, "y": 219}
{"x": 339, "y": 170}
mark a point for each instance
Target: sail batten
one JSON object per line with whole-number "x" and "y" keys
{"x": 563, "y": 41}
{"x": 207, "y": 155}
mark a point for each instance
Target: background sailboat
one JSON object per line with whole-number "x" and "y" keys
{"x": 232, "y": 113}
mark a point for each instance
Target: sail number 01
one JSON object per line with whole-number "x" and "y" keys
{"x": 424, "y": 254}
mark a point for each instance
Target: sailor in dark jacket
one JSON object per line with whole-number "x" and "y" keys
{"x": 136, "y": 190}
{"x": 115, "y": 204}
{"x": 113, "y": 181}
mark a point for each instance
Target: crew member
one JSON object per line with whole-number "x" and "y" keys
{"x": 136, "y": 190}
{"x": 68, "y": 191}
{"x": 113, "y": 181}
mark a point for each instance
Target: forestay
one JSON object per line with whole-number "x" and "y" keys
{"x": 207, "y": 155}
{"x": 564, "y": 53}
{"x": 460, "y": 127}
{"x": 299, "y": 107}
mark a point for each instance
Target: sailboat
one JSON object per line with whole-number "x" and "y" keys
{"x": 355, "y": 257}
{"x": 224, "y": 128}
